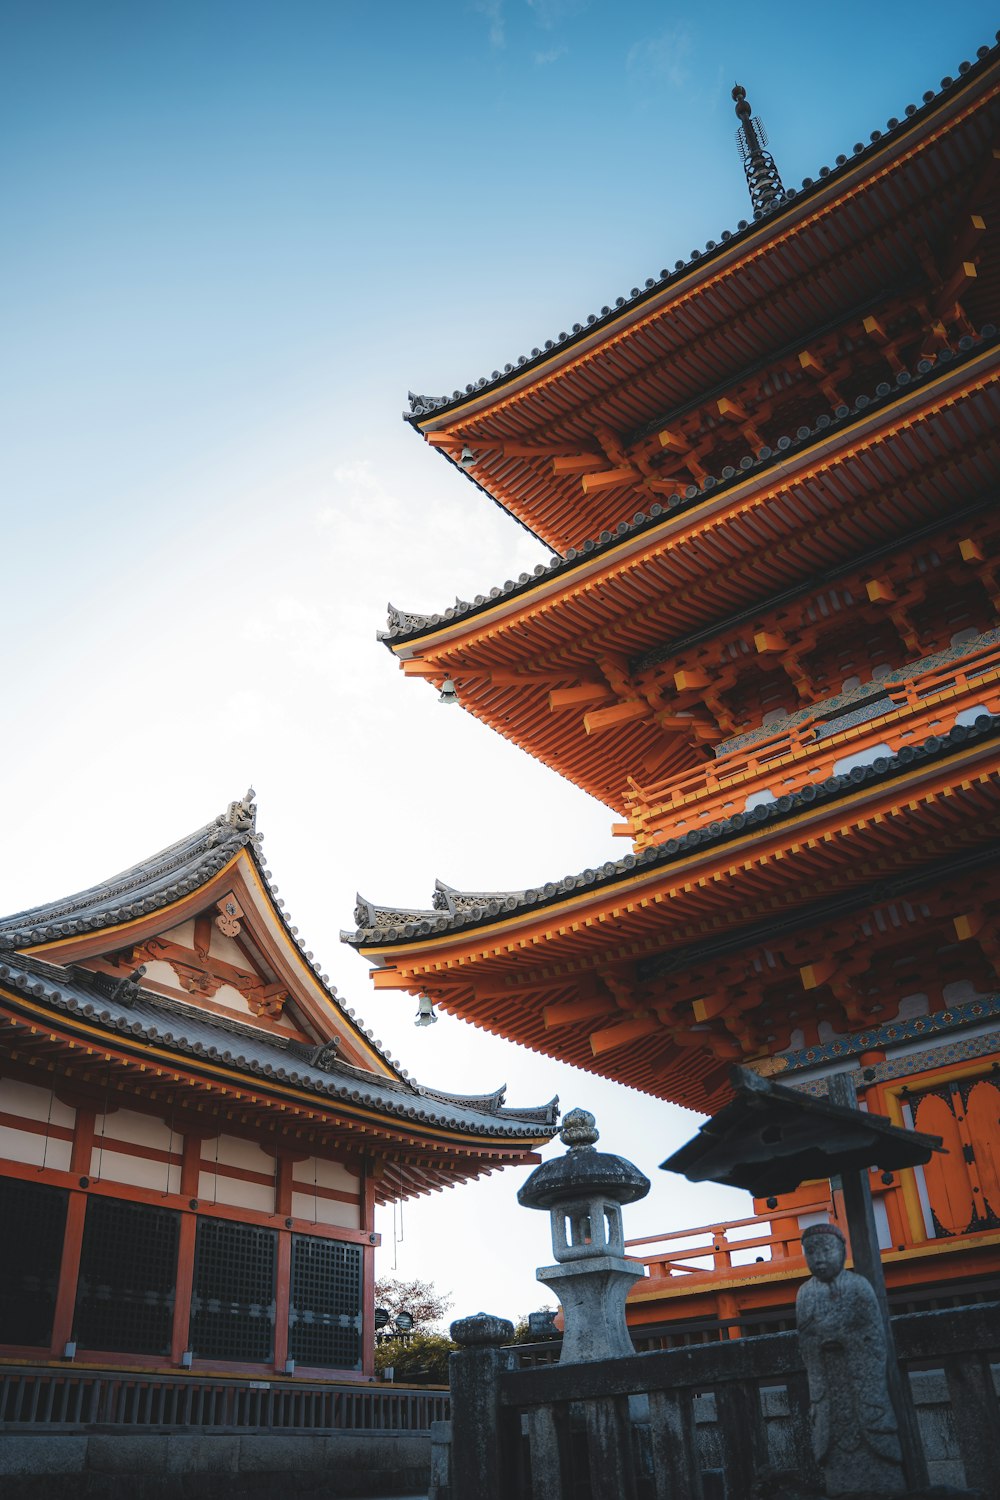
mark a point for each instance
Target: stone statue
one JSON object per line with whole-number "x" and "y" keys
{"x": 854, "y": 1432}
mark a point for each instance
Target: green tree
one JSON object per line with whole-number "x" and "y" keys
{"x": 421, "y": 1359}
{"x": 421, "y": 1299}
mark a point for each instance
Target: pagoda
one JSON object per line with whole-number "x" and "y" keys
{"x": 767, "y": 639}
{"x": 195, "y": 1130}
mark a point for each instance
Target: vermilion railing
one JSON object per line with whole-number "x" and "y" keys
{"x": 659, "y": 808}
{"x": 780, "y": 1239}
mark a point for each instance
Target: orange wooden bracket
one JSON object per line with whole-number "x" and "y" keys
{"x": 572, "y": 697}
{"x": 568, "y": 1011}
{"x": 623, "y": 1032}
{"x": 609, "y": 477}
{"x": 421, "y": 669}
{"x": 390, "y": 979}
{"x": 618, "y": 713}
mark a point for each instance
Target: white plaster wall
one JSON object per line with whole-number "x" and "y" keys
{"x": 145, "y": 1130}
{"x": 34, "y": 1150}
{"x": 183, "y": 935}
{"x": 234, "y": 1191}
{"x": 227, "y": 950}
{"x": 235, "y": 1152}
{"x": 32, "y": 1102}
{"x": 331, "y": 1174}
{"x": 159, "y": 972}
{"x": 306, "y": 1205}
{"x": 117, "y": 1165}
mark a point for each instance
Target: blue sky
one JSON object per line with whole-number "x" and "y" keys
{"x": 234, "y": 235}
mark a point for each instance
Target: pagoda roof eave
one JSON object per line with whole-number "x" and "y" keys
{"x": 413, "y": 930}
{"x": 410, "y": 634}
{"x": 428, "y": 413}
{"x": 190, "y": 1039}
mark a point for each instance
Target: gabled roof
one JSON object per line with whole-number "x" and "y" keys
{"x": 143, "y": 1016}
{"x": 166, "y": 887}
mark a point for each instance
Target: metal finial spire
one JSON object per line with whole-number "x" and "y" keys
{"x": 762, "y": 175}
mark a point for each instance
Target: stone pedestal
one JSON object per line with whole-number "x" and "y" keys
{"x": 592, "y": 1294}
{"x": 476, "y": 1466}
{"x": 584, "y": 1192}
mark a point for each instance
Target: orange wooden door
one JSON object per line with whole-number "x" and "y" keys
{"x": 964, "y": 1185}
{"x": 982, "y": 1117}
{"x": 947, "y": 1177}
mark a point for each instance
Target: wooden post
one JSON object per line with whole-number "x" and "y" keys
{"x": 184, "y": 1285}
{"x": 368, "y": 1268}
{"x": 282, "y": 1288}
{"x": 69, "y": 1272}
{"x": 868, "y": 1263}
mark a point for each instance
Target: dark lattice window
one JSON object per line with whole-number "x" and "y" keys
{"x": 324, "y": 1315}
{"x": 232, "y": 1306}
{"x": 128, "y": 1270}
{"x": 34, "y": 1220}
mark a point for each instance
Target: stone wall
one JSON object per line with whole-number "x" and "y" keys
{"x": 173, "y": 1466}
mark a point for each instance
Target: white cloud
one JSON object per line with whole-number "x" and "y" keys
{"x": 664, "y": 58}
{"x": 493, "y": 11}
{"x": 541, "y": 59}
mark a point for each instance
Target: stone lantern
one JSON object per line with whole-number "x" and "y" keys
{"x": 584, "y": 1191}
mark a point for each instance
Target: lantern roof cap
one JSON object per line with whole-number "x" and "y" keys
{"x": 582, "y": 1172}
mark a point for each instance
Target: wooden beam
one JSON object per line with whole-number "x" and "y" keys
{"x": 567, "y": 1011}
{"x": 955, "y": 287}
{"x": 618, "y": 713}
{"x": 573, "y": 697}
{"x": 608, "y": 479}
{"x": 690, "y": 678}
{"x": 813, "y": 975}
{"x": 578, "y": 463}
{"x": 768, "y": 640}
{"x": 422, "y": 669}
{"x": 622, "y": 1033}
{"x": 391, "y": 979}
{"x": 710, "y": 1006}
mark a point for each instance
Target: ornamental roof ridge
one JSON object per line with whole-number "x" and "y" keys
{"x": 447, "y": 898}
{"x": 913, "y": 115}
{"x": 200, "y": 854}
{"x": 263, "y": 1055}
{"x": 406, "y": 625}
{"x": 165, "y": 877}
{"x": 790, "y": 804}
{"x": 368, "y": 913}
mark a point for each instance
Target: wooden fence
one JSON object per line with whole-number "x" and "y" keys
{"x": 60, "y": 1398}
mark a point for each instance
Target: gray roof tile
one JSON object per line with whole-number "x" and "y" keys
{"x": 192, "y": 1034}
{"x": 484, "y": 910}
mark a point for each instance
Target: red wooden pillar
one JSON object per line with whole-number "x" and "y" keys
{"x": 368, "y": 1269}
{"x": 69, "y": 1273}
{"x": 69, "y": 1268}
{"x": 283, "y": 1270}
{"x": 184, "y": 1284}
{"x": 282, "y": 1284}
